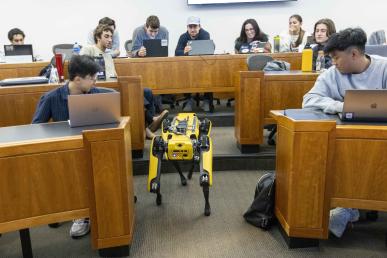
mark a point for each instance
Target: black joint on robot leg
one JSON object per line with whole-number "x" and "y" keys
{"x": 204, "y": 180}
{"x": 205, "y": 126}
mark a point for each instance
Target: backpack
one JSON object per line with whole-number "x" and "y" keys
{"x": 46, "y": 71}
{"x": 277, "y": 65}
{"x": 261, "y": 211}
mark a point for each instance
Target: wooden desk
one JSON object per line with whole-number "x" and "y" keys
{"x": 257, "y": 93}
{"x": 25, "y": 69}
{"x": 18, "y": 104}
{"x": 190, "y": 74}
{"x": 56, "y": 173}
{"x": 321, "y": 164}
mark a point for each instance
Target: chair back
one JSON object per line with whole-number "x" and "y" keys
{"x": 128, "y": 45}
{"x": 380, "y": 50}
{"x": 257, "y": 62}
{"x": 377, "y": 38}
{"x": 65, "y": 49}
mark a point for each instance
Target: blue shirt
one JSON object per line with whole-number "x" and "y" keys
{"x": 53, "y": 105}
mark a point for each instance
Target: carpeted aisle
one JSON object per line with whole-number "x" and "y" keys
{"x": 178, "y": 227}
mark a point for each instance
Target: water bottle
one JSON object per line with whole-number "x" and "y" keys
{"x": 320, "y": 61}
{"x": 307, "y": 59}
{"x": 101, "y": 74}
{"x": 276, "y": 45}
{"x": 76, "y": 49}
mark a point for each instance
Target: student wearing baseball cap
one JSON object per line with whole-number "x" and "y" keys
{"x": 194, "y": 32}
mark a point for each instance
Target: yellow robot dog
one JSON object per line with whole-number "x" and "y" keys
{"x": 184, "y": 138}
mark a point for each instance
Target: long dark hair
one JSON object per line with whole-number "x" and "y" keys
{"x": 259, "y": 35}
{"x": 302, "y": 32}
{"x": 331, "y": 28}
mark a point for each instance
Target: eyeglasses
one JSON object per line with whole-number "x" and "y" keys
{"x": 251, "y": 29}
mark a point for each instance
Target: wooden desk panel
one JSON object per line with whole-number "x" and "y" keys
{"x": 266, "y": 91}
{"x": 25, "y": 69}
{"x": 185, "y": 74}
{"x": 321, "y": 166}
{"x": 58, "y": 179}
{"x": 19, "y": 104}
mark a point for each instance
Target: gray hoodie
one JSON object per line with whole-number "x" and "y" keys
{"x": 329, "y": 89}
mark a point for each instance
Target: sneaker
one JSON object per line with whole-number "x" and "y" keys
{"x": 80, "y": 228}
{"x": 188, "y": 105}
{"x": 206, "y": 106}
{"x": 158, "y": 120}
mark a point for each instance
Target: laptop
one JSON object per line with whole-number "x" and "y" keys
{"x": 156, "y": 47}
{"x": 24, "y": 81}
{"x": 18, "y": 53}
{"x": 94, "y": 109}
{"x": 201, "y": 47}
{"x": 365, "y": 106}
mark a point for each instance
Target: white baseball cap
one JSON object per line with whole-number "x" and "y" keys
{"x": 193, "y": 20}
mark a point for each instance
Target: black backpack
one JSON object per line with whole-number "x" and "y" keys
{"x": 261, "y": 211}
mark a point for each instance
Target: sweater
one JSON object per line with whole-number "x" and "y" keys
{"x": 329, "y": 89}
{"x": 185, "y": 37}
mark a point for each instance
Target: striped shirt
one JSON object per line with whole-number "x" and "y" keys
{"x": 53, "y": 105}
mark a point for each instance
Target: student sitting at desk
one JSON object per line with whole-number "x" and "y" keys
{"x": 352, "y": 69}
{"x": 103, "y": 38}
{"x": 294, "y": 39}
{"x": 323, "y": 30}
{"x": 114, "y": 49}
{"x": 151, "y": 30}
{"x": 194, "y": 32}
{"x": 249, "y": 38}
{"x": 16, "y": 36}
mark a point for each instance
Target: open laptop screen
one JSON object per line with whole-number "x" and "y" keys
{"x": 94, "y": 109}
{"x": 201, "y": 47}
{"x": 18, "y": 53}
{"x": 156, "y": 47}
{"x": 365, "y": 106}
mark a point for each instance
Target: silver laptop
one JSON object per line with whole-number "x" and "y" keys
{"x": 201, "y": 47}
{"x": 18, "y": 53}
{"x": 94, "y": 109}
{"x": 365, "y": 106}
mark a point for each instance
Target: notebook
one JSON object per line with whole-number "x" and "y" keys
{"x": 156, "y": 47}
{"x": 94, "y": 109}
{"x": 18, "y": 53}
{"x": 201, "y": 47}
{"x": 24, "y": 81}
{"x": 365, "y": 106}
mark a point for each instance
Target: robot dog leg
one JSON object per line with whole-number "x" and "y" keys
{"x": 155, "y": 158}
{"x": 206, "y": 163}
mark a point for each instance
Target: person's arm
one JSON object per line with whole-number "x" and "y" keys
{"x": 43, "y": 111}
{"x": 180, "y": 46}
{"x": 323, "y": 95}
{"x": 137, "y": 43}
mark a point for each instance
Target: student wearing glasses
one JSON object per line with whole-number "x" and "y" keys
{"x": 250, "y": 37}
